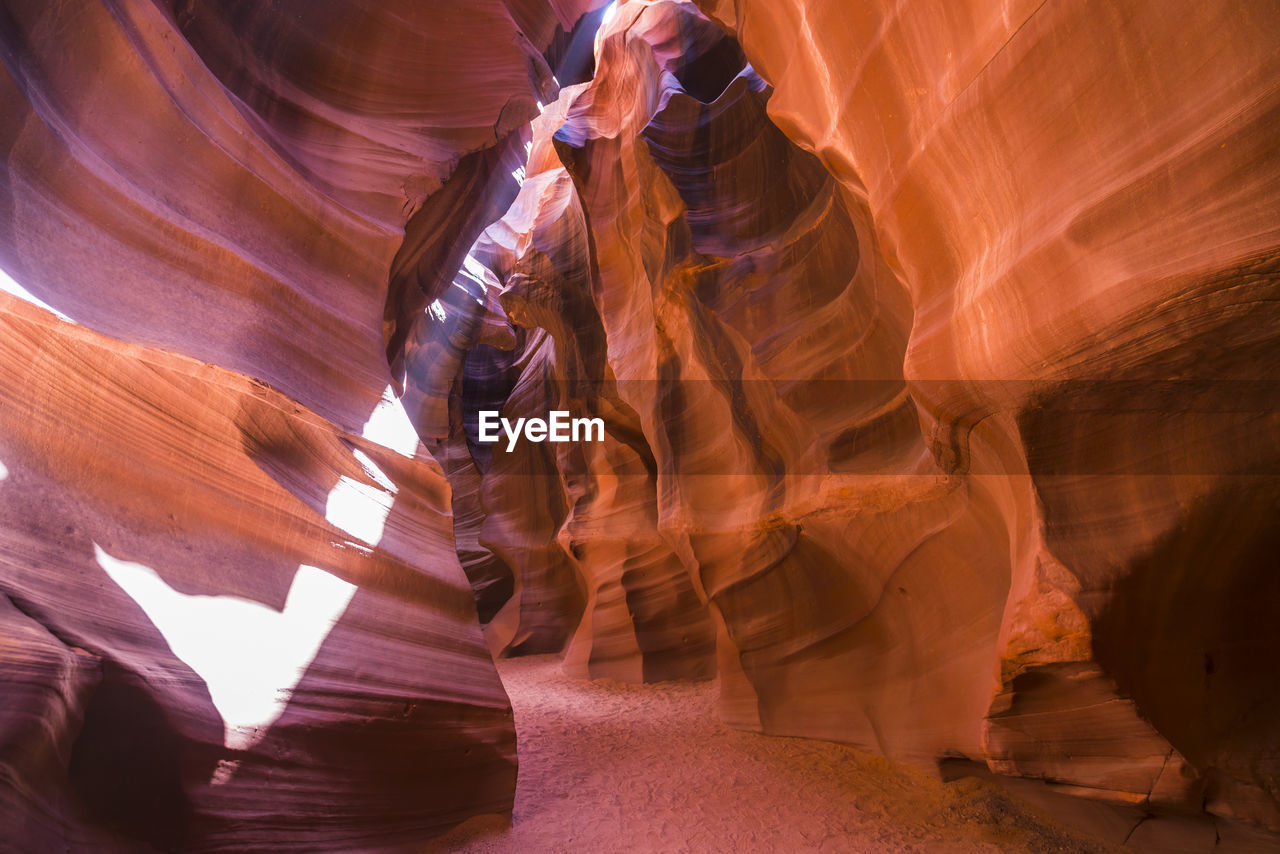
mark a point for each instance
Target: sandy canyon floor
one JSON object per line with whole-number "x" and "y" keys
{"x": 609, "y": 767}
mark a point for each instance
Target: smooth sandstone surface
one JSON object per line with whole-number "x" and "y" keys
{"x": 947, "y": 341}
{"x": 934, "y": 344}
{"x": 234, "y": 613}
{"x": 399, "y": 726}
{"x": 1081, "y": 202}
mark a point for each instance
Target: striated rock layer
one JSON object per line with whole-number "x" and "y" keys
{"x": 232, "y": 613}
{"x": 937, "y": 351}
{"x": 218, "y": 484}
{"x": 933, "y": 349}
{"x": 1082, "y": 205}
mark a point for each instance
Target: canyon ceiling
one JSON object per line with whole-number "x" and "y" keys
{"x": 935, "y": 343}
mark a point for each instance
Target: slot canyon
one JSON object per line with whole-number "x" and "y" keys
{"x": 934, "y": 349}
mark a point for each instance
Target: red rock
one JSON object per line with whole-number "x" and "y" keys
{"x": 926, "y": 405}
{"x": 219, "y": 198}
{"x": 933, "y": 349}
{"x": 218, "y": 483}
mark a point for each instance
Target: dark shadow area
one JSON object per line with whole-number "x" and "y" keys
{"x": 437, "y": 237}
{"x": 572, "y": 54}
{"x": 126, "y": 764}
{"x": 1192, "y": 634}
{"x": 712, "y": 59}
{"x": 1138, "y": 827}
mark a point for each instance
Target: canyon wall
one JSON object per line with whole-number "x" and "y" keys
{"x": 936, "y": 347}
{"x": 1081, "y": 202}
{"x": 932, "y": 343}
{"x": 233, "y": 612}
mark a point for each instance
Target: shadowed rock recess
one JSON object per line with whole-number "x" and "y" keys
{"x": 935, "y": 347}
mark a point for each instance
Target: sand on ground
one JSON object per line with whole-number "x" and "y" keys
{"x": 610, "y": 767}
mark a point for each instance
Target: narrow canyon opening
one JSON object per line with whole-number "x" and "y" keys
{"x": 568, "y": 425}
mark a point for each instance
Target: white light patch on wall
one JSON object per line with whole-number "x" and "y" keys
{"x": 390, "y": 427}
{"x": 437, "y": 311}
{"x": 4, "y": 470}
{"x": 475, "y": 269}
{"x": 249, "y": 655}
{"x": 519, "y": 173}
{"x": 9, "y": 286}
{"x": 359, "y": 509}
{"x": 610, "y": 12}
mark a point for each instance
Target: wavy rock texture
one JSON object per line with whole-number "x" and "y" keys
{"x": 933, "y": 347}
{"x": 219, "y": 483}
{"x": 730, "y": 269}
{"x": 948, "y": 349}
{"x": 570, "y": 531}
{"x": 241, "y": 205}
{"x": 1081, "y": 203}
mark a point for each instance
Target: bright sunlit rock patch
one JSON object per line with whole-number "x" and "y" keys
{"x": 9, "y": 286}
{"x": 610, "y": 12}
{"x": 249, "y": 655}
{"x": 519, "y": 172}
{"x": 390, "y": 427}
{"x": 358, "y": 508}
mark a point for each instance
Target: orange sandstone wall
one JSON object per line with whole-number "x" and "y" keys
{"x": 232, "y": 203}
{"x": 949, "y": 332}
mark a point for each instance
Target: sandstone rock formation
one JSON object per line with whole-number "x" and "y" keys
{"x": 237, "y": 205}
{"x": 940, "y": 391}
{"x": 1081, "y": 204}
{"x": 934, "y": 349}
